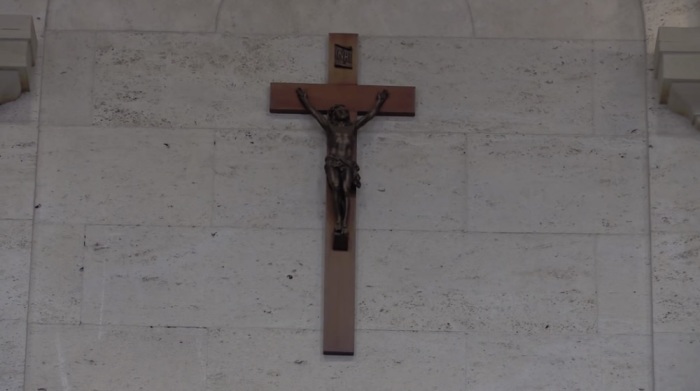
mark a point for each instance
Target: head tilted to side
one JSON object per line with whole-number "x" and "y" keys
{"x": 339, "y": 114}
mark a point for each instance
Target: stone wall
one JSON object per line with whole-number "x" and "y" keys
{"x": 174, "y": 226}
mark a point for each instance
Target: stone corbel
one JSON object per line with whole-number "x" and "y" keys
{"x": 18, "y": 51}
{"x": 677, "y": 64}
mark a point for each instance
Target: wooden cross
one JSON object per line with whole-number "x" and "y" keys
{"x": 342, "y": 88}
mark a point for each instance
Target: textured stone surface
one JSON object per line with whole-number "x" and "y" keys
{"x": 528, "y": 137}
{"x": 366, "y": 17}
{"x": 676, "y": 292}
{"x": 125, "y": 176}
{"x": 511, "y": 18}
{"x": 673, "y": 181}
{"x": 270, "y": 179}
{"x": 68, "y": 79}
{"x": 619, "y": 90}
{"x": 152, "y": 15}
{"x": 202, "y": 277}
{"x": 17, "y": 170}
{"x": 480, "y": 283}
{"x": 15, "y": 243}
{"x": 597, "y": 19}
{"x": 115, "y": 358}
{"x": 622, "y": 278}
{"x": 412, "y": 181}
{"x": 172, "y": 89}
{"x": 676, "y": 358}
{"x": 12, "y": 344}
{"x": 57, "y": 273}
{"x": 557, "y": 363}
{"x": 563, "y": 184}
{"x": 384, "y": 361}
{"x": 540, "y": 87}
{"x": 616, "y": 19}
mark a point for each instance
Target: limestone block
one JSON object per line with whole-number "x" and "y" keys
{"x": 115, "y": 358}
{"x": 684, "y": 99}
{"x": 249, "y": 179}
{"x": 239, "y": 359}
{"x": 10, "y": 85}
{"x": 675, "y": 291}
{"x": 15, "y": 242}
{"x": 16, "y": 55}
{"x": 554, "y": 362}
{"x": 677, "y": 40}
{"x": 480, "y": 283}
{"x": 436, "y": 201}
{"x": 182, "y": 276}
{"x": 17, "y": 169}
{"x": 622, "y": 283}
{"x": 599, "y": 19}
{"x": 675, "y": 68}
{"x": 541, "y": 87}
{"x": 679, "y": 37}
{"x": 676, "y": 361}
{"x": 19, "y": 27}
{"x": 18, "y": 51}
{"x": 66, "y": 84}
{"x": 129, "y": 176}
{"x": 618, "y": 92}
{"x": 674, "y": 183}
{"x": 365, "y": 17}
{"x": 152, "y": 15}
{"x": 676, "y": 57}
{"x": 56, "y": 279}
{"x": 35, "y": 8}
{"x": 554, "y": 177}
{"x": 12, "y": 345}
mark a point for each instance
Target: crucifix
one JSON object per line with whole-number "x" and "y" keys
{"x": 336, "y": 106}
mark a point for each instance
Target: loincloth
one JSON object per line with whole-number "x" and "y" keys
{"x": 344, "y": 165}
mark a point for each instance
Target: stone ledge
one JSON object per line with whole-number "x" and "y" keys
{"x": 16, "y": 56}
{"x": 677, "y": 61}
{"x": 19, "y": 27}
{"x": 18, "y": 51}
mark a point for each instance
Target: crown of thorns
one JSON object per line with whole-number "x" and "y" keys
{"x": 336, "y": 107}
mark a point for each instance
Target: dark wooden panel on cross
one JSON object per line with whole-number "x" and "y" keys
{"x": 342, "y": 88}
{"x": 356, "y": 98}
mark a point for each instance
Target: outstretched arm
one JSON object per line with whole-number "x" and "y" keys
{"x": 381, "y": 98}
{"x": 304, "y": 99}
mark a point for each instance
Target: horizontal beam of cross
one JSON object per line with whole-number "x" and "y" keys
{"x": 358, "y": 98}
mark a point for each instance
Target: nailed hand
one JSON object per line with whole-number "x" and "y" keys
{"x": 382, "y": 96}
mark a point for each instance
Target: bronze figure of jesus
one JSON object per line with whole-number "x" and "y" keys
{"x": 342, "y": 172}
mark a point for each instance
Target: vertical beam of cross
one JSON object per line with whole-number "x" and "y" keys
{"x": 339, "y": 269}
